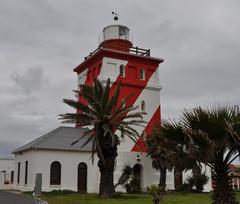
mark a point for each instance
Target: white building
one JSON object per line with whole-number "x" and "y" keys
{"x": 62, "y": 165}
{"x": 69, "y": 167}
{"x": 6, "y": 173}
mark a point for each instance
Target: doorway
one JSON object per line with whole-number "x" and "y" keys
{"x": 82, "y": 177}
{"x": 137, "y": 177}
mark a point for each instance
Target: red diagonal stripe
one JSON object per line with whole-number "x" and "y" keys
{"x": 140, "y": 146}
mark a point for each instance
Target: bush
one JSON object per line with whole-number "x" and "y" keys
{"x": 156, "y": 192}
{"x": 128, "y": 180}
{"x": 62, "y": 192}
{"x": 198, "y": 181}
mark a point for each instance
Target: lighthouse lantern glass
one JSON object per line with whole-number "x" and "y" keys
{"x": 123, "y": 33}
{"x": 116, "y": 32}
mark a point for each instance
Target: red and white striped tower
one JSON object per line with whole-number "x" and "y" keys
{"x": 117, "y": 59}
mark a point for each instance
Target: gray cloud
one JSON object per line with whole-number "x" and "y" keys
{"x": 42, "y": 41}
{"x": 31, "y": 81}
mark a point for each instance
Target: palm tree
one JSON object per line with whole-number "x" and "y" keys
{"x": 168, "y": 154}
{"x": 211, "y": 136}
{"x": 162, "y": 157}
{"x": 104, "y": 113}
{"x": 127, "y": 172}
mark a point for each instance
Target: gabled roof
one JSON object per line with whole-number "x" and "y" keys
{"x": 59, "y": 139}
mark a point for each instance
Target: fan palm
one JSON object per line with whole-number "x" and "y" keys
{"x": 162, "y": 157}
{"x": 167, "y": 154}
{"x": 211, "y": 136}
{"x": 127, "y": 172}
{"x": 104, "y": 113}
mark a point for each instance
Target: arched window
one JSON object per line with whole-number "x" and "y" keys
{"x": 55, "y": 173}
{"x": 122, "y": 70}
{"x": 82, "y": 177}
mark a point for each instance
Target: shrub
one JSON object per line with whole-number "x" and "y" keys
{"x": 157, "y": 193}
{"x": 197, "y": 181}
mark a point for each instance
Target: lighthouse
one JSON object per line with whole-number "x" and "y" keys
{"x": 118, "y": 59}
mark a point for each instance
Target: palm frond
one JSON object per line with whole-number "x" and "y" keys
{"x": 102, "y": 110}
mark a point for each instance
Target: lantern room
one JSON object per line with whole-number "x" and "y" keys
{"x": 116, "y": 32}
{"x": 116, "y": 37}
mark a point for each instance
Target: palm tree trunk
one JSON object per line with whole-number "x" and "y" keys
{"x": 106, "y": 188}
{"x": 222, "y": 192}
{"x": 162, "y": 180}
{"x": 106, "y": 164}
{"x": 177, "y": 179}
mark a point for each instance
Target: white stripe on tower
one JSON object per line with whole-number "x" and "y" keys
{"x": 110, "y": 68}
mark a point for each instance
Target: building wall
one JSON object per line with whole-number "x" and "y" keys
{"x": 40, "y": 162}
{"x": 6, "y": 165}
{"x": 22, "y": 158}
{"x": 149, "y": 176}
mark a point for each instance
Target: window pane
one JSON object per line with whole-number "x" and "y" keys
{"x": 18, "y": 176}
{"x": 142, "y": 74}
{"x": 122, "y": 70}
{"x": 143, "y": 106}
{"x": 26, "y": 172}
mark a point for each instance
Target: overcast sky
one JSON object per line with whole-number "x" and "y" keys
{"x": 41, "y": 41}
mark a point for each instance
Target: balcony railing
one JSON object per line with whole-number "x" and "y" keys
{"x": 140, "y": 51}
{"x": 132, "y": 50}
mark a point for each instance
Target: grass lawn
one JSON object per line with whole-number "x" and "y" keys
{"x": 174, "y": 198}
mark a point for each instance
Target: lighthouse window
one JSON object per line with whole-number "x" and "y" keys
{"x": 122, "y": 32}
{"x": 142, "y": 74}
{"x": 122, "y": 70}
{"x": 143, "y": 106}
{"x": 144, "y": 135}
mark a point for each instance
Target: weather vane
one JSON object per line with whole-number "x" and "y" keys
{"x": 115, "y": 16}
